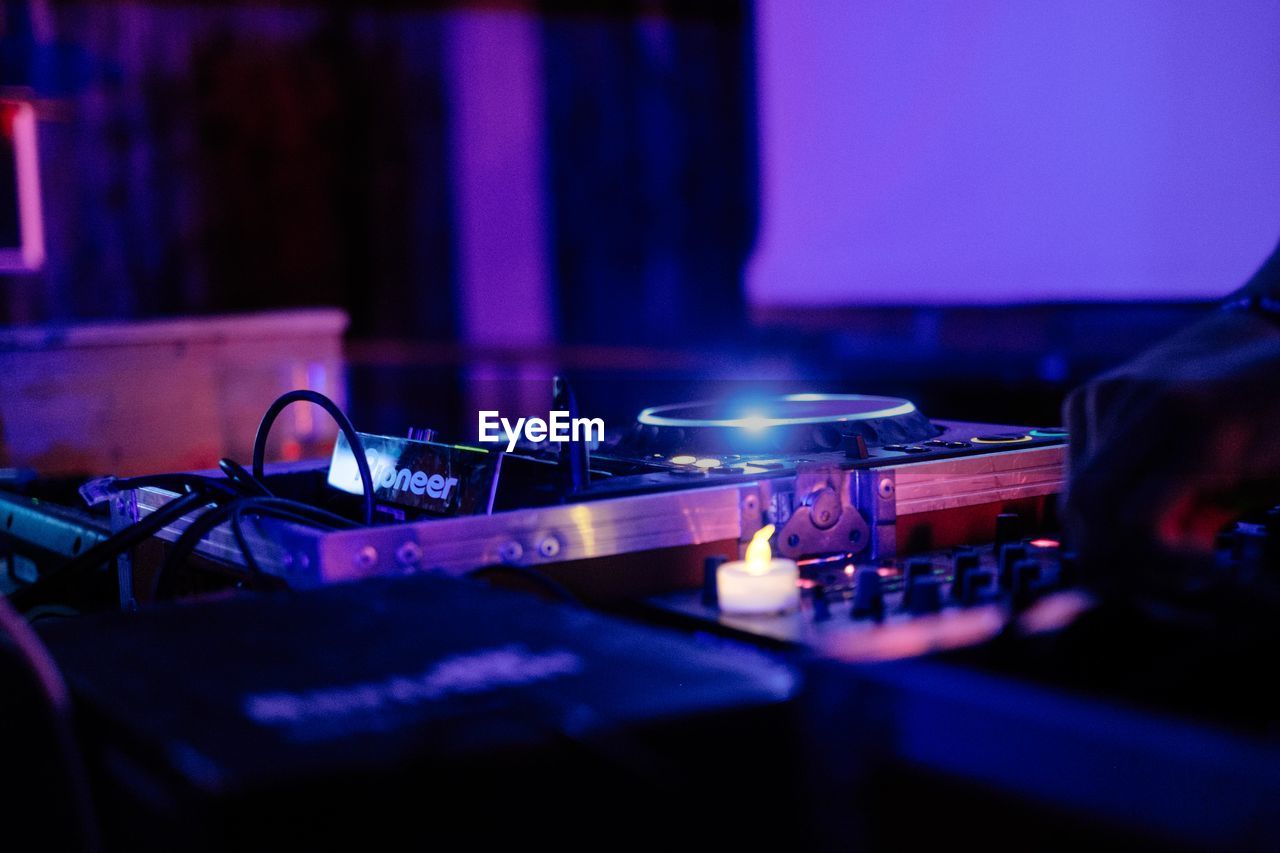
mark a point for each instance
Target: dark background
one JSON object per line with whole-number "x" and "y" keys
{"x": 205, "y": 158}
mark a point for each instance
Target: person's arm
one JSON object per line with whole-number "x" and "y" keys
{"x": 1170, "y": 447}
{"x": 1261, "y": 293}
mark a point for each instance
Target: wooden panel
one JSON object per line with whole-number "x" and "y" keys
{"x": 165, "y": 395}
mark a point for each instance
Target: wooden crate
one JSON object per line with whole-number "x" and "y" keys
{"x": 165, "y": 395}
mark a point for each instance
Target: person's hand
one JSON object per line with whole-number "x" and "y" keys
{"x": 1169, "y": 448}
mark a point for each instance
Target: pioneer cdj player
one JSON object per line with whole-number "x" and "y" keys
{"x": 925, "y": 640}
{"x": 845, "y": 479}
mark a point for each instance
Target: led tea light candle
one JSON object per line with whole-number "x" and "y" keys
{"x": 761, "y": 583}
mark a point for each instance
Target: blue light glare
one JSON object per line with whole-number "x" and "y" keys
{"x": 894, "y": 407}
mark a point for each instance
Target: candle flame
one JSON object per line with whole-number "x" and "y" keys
{"x": 758, "y": 552}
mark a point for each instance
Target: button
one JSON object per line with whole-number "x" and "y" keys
{"x": 958, "y": 444}
{"x": 821, "y": 609}
{"x": 926, "y": 596}
{"x": 868, "y": 595}
{"x": 687, "y": 472}
{"x": 1025, "y": 574}
{"x": 768, "y": 464}
{"x": 977, "y": 586}
{"x": 1010, "y": 556}
{"x": 707, "y": 463}
{"x": 1028, "y": 585}
{"x": 914, "y": 449}
{"x": 683, "y": 460}
{"x": 897, "y": 447}
{"x": 915, "y": 571}
{"x": 966, "y": 561}
{"x": 935, "y": 442}
{"x": 1008, "y": 529}
{"x": 1068, "y": 570}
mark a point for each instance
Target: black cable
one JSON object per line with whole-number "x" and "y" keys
{"x": 249, "y": 484}
{"x": 108, "y": 549}
{"x": 123, "y": 540}
{"x": 182, "y": 547}
{"x": 542, "y": 580}
{"x": 283, "y": 509}
{"x": 313, "y": 514}
{"x": 198, "y": 490}
{"x": 344, "y": 424}
{"x": 242, "y": 541}
{"x": 205, "y": 523}
{"x": 180, "y": 482}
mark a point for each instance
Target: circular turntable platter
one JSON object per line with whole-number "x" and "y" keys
{"x": 789, "y": 423}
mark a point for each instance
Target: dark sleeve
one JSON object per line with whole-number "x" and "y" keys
{"x": 1262, "y": 291}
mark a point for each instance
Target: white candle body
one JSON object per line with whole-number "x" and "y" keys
{"x": 744, "y": 592}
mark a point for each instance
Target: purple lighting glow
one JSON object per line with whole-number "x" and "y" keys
{"x": 1002, "y": 151}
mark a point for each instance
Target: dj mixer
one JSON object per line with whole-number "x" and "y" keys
{"x": 840, "y": 476}
{"x": 847, "y": 606}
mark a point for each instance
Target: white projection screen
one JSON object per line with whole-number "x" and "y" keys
{"x": 993, "y": 151}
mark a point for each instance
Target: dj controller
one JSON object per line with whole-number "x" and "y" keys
{"x": 841, "y": 477}
{"x": 843, "y": 606}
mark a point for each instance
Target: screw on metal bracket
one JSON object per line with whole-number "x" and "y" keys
{"x": 886, "y": 488}
{"x": 510, "y": 552}
{"x": 408, "y": 554}
{"x": 549, "y": 546}
{"x": 366, "y": 557}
